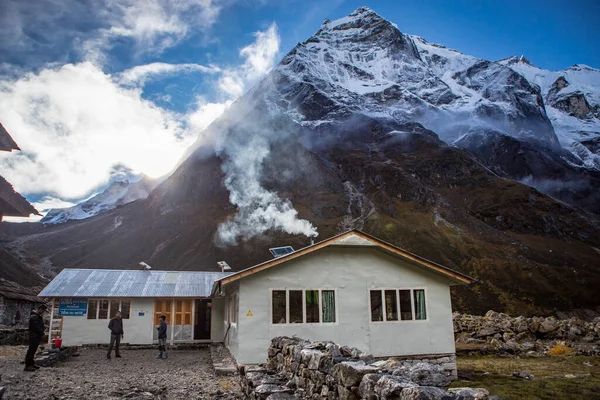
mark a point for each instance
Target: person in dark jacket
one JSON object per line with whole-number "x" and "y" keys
{"x": 162, "y": 338}
{"x": 36, "y": 332}
{"x": 116, "y": 334}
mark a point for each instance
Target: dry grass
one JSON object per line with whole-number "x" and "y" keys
{"x": 560, "y": 350}
{"x": 550, "y": 376}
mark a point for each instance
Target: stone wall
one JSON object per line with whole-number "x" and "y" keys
{"x": 298, "y": 369}
{"x": 10, "y": 308}
{"x": 13, "y": 336}
{"x": 500, "y": 333}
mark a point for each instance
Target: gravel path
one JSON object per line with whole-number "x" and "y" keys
{"x": 187, "y": 374}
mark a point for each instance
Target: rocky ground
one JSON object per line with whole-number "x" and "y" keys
{"x": 187, "y": 374}
{"x": 505, "y": 335}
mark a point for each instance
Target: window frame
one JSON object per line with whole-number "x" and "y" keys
{"x": 287, "y": 306}
{"x": 233, "y": 308}
{"x": 110, "y": 311}
{"x": 399, "y": 311}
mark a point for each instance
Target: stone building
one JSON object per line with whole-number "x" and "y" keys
{"x": 16, "y": 302}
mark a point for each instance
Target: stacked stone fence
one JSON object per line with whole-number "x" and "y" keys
{"x": 500, "y": 333}
{"x": 298, "y": 369}
{"x": 13, "y": 336}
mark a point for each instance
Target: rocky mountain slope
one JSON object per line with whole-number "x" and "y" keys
{"x": 362, "y": 126}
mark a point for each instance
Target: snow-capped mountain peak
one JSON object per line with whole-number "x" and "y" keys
{"x": 117, "y": 194}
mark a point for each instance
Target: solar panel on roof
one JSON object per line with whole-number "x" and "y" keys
{"x": 281, "y": 251}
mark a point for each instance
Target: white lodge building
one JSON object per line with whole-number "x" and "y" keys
{"x": 352, "y": 289}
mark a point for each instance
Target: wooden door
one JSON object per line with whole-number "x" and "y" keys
{"x": 202, "y": 325}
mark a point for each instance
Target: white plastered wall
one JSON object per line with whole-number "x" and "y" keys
{"x": 231, "y": 328}
{"x": 138, "y": 328}
{"x": 352, "y": 271}
{"x": 216, "y": 320}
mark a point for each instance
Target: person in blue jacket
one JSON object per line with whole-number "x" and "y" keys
{"x": 162, "y": 338}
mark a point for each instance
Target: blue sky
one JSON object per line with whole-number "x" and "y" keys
{"x": 97, "y": 90}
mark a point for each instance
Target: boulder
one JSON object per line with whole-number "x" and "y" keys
{"x": 534, "y": 325}
{"x": 350, "y": 373}
{"x": 345, "y": 394}
{"x": 265, "y": 390}
{"x": 333, "y": 350}
{"x": 487, "y": 331}
{"x": 512, "y": 346}
{"x": 281, "y": 396}
{"x": 466, "y": 393}
{"x": 527, "y": 346}
{"x": 307, "y": 354}
{"x": 523, "y": 375}
{"x": 426, "y": 393}
{"x": 548, "y": 325}
{"x": 346, "y": 351}
{"x": 426, "y": 374}
{"x": 366, "y": 357}
{"x": 389, "y": 385}
{"x": 366, "y": 389}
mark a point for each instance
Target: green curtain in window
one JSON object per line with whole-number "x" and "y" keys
{"x": 420, "y": 312}
{"x": 328, "y": 300}
{"x": 312, "y": 306}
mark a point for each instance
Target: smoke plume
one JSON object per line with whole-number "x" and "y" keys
{"x": 259, "y": 209}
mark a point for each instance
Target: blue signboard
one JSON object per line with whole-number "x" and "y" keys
{"x": 72, "y": 307}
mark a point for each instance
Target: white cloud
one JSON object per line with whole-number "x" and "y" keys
{"x": 154, "y": 25}
{"x": 76, "y": 126}
{"x": 259, "y": 57}
{"x": 140, "y": 74}
{"x": 205, "y": 113}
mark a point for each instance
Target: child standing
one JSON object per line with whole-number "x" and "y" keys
{"x": 162, "y": 338}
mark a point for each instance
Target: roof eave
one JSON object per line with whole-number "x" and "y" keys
{"x": 457, "y": 278}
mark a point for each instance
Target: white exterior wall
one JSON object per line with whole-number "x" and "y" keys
{"x": 352, "y": 272}
{"x": 232, "y": 338}
{"x": 138, "y": 329}
{"x": 216, "y": 320}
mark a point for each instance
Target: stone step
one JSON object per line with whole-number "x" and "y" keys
{"x": 222, "y": 361}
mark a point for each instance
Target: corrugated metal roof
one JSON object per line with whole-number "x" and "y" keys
{"x": 131, "y": 283}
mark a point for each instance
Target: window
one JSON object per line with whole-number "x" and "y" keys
{"x": 405, "y": 305}
{"x": 106, "y": 309}
{"x": 298, "y": 306}
{"x": 420, "y": 312}
{"x": 92, "y": 310}
{"x": 125, "y": 309}
{"x": 328, "y": 301}
{"x": 162, "y": 307}
{"x": 312, "y": 306}
{"x": 279, "y": 307}
{"x": 183, "y": 312}
{"x": 296, "y": 315}
{"x": 376, "y": 306}
{"x": 102, "y": 309}
{"x": 114, "y": 307}
{"x": 390, "y": 305}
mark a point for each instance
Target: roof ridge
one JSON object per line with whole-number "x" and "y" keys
{"x": 455, "y": 275}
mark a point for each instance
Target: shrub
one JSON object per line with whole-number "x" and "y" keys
{"x": 560, "y": 350}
